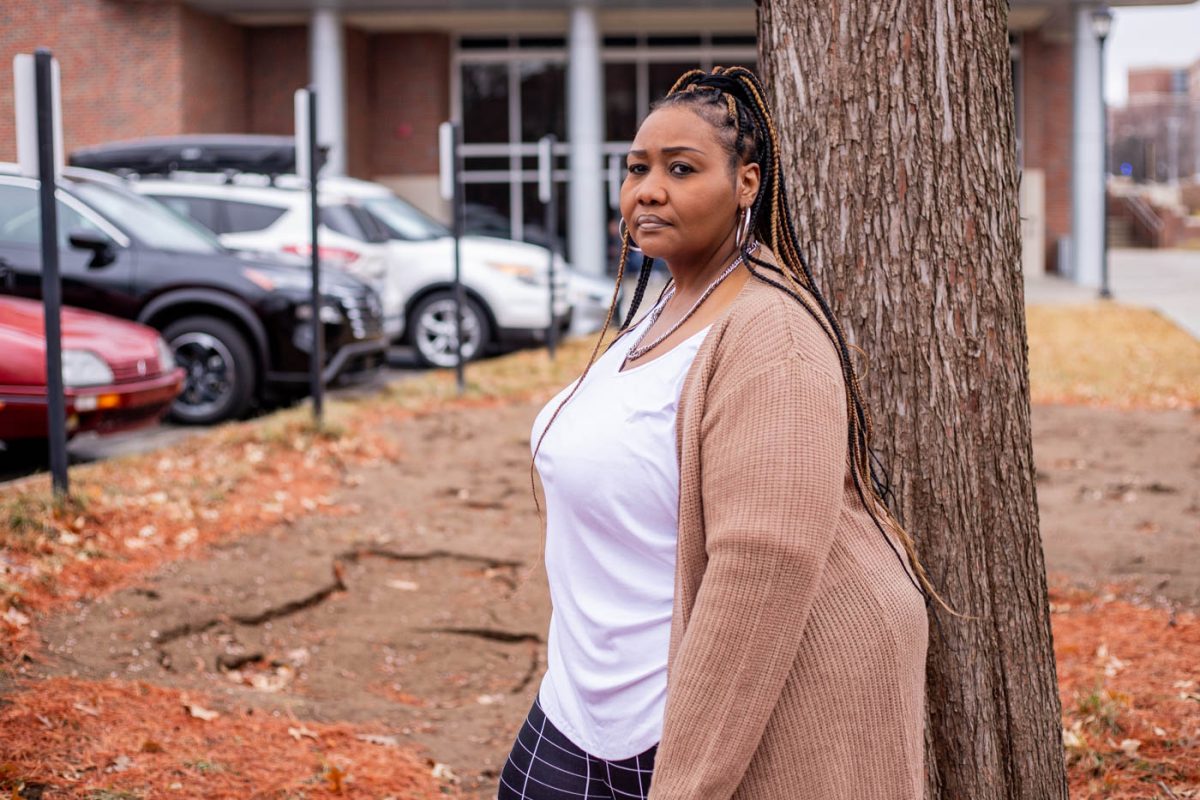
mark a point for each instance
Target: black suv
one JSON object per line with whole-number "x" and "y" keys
{"x": 239, "y": 325}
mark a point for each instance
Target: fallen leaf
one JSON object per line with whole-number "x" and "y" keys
{"x": 15, "y": 618}
{"x": 302, "y": 733}
{"x": 91, "y": 712}
{"x": 406, "y": 586}
{"x": 272, "y": 681}
{"x": 334, "y": 777}
{"x": 298, "y": 657}
{"x": 1071, "y": 740}
{"x": 1113, "y": 666}
{"x": 443, "y": 772}
{"x": 119, "y": 764}
{"x": 200, "y": 712}
{"x": 379, "y": 739}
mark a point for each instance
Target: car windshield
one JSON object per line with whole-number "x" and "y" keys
{"x": 402, "y": 220}
{"x": 152, "y": 223}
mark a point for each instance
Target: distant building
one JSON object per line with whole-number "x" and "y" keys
{"x": 388, "y": 71}
{"x": 1156, "y": 136}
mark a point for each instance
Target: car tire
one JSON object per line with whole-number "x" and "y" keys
{"x": 432, "y": 334}
{"x": 218, "y": 367}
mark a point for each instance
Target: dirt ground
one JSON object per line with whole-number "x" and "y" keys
{"x": 1119, "y": 496}
{"x": 425, "y": 609}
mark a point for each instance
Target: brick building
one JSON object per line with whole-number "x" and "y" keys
{"x": 1156, "y": 136}
{"x": 388, "y": 71}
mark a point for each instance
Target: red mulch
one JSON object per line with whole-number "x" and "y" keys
{"x": 67, "y": 738}
{"x": 1129, "y": 676}
{"x": 1129, "y": 679}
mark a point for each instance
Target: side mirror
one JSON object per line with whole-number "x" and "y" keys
{"x": 103, "y": 251}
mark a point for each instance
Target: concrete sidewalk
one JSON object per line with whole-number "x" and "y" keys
{"x": 1165, "y": 280}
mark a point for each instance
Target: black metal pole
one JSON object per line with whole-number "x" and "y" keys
{"x": 317, "y": 362}
{"x": 456, "y": 172}
{"x": 1105, "y": 292}
{"x": 56, "y": 406}
{"x": 551, "y": 226}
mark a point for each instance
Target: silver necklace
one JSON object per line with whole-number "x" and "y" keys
{"x": 638, "y": 350}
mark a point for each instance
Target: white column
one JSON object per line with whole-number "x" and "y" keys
{"x": 1087, "y": 168}
{"x": 327, "y": 58}
{"x": 1196, "y": 131}
{"x": 585, "y": 129}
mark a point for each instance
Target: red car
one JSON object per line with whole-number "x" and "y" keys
{"x": 117, "y": 375}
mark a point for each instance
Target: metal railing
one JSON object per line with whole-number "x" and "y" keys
{"x": 1146, "y": 220}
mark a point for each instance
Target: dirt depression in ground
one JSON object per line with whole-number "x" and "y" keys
{"x": 419, "y": 609}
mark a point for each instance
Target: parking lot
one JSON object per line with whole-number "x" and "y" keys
{"x": 401, "y": 363}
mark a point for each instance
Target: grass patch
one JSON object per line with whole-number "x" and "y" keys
{"x": 1095, "y": 354}
{"x": 521, "y": 375}
{"x": 1112, "y": 355}
{"x": 1101, "y": 710}
{"x": 28, "y": 518}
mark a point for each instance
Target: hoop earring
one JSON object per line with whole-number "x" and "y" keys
{"x": 742, "y": 231}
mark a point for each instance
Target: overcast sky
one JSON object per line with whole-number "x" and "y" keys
{"x": 1151, "y": 36}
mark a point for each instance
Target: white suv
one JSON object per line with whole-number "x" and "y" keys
{"x": 368, "y": 230}
{"x": 267, "y": 219}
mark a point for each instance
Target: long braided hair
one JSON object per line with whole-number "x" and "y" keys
{"x": 733, "y": 101}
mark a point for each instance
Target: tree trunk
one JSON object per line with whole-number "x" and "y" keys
{"x": 897, "y": 134}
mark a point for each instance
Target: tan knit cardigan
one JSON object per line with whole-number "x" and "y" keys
{"x": 796, "y": 666}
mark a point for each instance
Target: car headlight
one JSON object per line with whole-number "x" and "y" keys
{"x": 84, "y": 368}
{"x": 522, "y": 272}
{"x": 166, "y": 357}
{"x": 330, "y": 315}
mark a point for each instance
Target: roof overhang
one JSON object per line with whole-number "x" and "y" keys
{"x": 1051, "y": 17}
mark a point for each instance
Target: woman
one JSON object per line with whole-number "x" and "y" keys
{"x": 735, "y": 612}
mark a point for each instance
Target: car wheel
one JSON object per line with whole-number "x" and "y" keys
{"x": 218, "y": 370}
{"x": 434, "y": 335}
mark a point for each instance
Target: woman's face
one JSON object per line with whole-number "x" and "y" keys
{"x": 681, "y": 198}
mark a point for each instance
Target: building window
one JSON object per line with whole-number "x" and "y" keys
{"x": 512, "y": 91}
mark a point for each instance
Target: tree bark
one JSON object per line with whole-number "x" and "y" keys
{"x": 897, "y": 135}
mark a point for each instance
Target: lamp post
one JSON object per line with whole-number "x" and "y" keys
{"x": 1101, "y": 25}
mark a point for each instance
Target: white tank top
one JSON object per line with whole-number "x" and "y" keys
{"x": 611, "y": 479}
